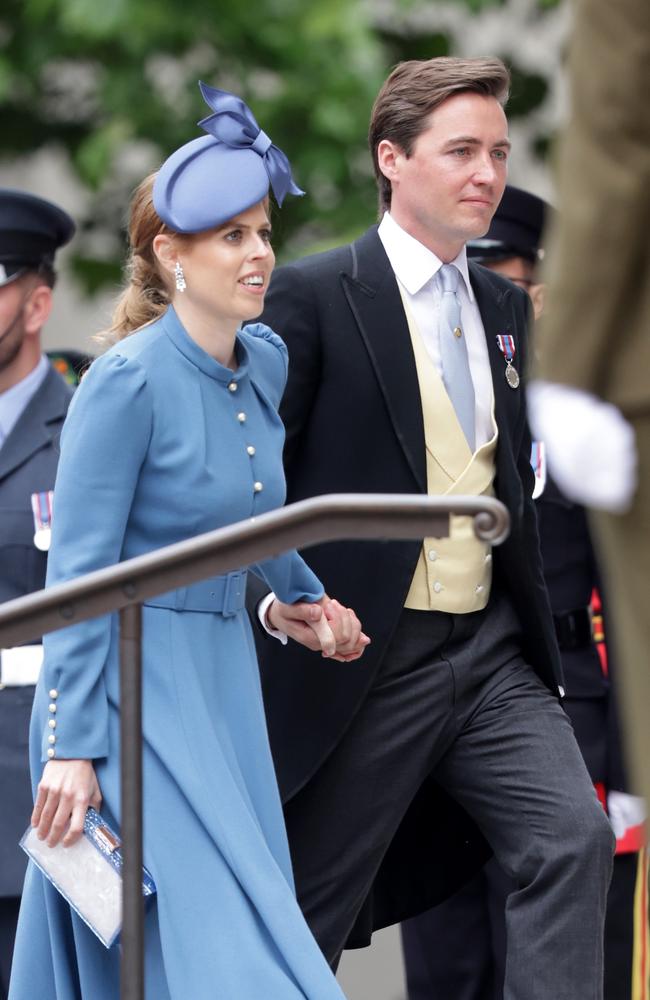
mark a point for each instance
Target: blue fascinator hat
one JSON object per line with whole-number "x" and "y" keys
{"x": 215, "y": 177}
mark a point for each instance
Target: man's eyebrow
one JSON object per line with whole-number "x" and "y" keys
{"x": 470, "y": 140}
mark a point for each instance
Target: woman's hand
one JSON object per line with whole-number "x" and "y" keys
{"x": 325, "y": 625}
{"x": 64, "y": 793}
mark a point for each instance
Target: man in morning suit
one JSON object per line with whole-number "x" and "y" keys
{"x": 34, "y": 399}
{"x": 403, "y": 372}
{"x": 438, "y": 963}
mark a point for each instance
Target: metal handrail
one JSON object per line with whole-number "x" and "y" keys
{"x": 298, "y": 525}
{"x": 129, "y": 583}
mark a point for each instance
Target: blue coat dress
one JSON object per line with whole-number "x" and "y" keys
{"x": 163, "y": 443}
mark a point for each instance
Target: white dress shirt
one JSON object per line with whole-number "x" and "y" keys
{"x": 13, "y": 401}
{"x": 416, "y": 269}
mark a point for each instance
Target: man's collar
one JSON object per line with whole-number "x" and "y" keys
{"x": 14, "y": 400}
{"x": 413, "y": 263}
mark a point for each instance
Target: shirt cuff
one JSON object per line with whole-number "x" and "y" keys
{"x": 262, "y": 608}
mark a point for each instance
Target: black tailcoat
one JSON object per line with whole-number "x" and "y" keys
{"x": 354, "y": 423}
{"x": 28, "y": 461}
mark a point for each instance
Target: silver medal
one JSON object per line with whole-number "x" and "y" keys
{"x": 512, "y": 376}
{"x": 42, "y": 537}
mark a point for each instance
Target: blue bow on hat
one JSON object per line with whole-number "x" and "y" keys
{"x": 215, "y": 177}
{"x": 233, "y": 122}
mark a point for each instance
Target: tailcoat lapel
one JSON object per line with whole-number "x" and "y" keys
{"x": 371, "y": 290}
{"x": 38, "y": 425}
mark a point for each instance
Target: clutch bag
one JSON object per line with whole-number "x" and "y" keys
{"x": 88, "y": 874}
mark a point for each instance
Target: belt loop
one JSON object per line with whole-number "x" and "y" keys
{"x": 181, "y": 598}
{"x": 232, "y": 594}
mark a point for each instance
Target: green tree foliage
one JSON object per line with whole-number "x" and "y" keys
{"x": 114, "y": 84}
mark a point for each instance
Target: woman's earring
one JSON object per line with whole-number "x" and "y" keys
{"x": 181, "y": 284}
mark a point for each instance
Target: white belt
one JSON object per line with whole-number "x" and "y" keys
{"x": 20, "y": 666}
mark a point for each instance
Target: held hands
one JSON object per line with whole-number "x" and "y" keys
{"x": 65, "y": 791}
{"x": 325, "y": 625}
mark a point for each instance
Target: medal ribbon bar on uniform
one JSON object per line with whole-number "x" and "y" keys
{"x": 42, "y": 511}
{"x": 538, "y": 462}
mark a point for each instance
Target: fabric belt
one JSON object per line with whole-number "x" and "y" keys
{"x": 573, "y": 629}
{"x": 224, "y": 595}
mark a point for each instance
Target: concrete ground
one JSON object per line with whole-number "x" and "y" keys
{"x": 374, "y": 973}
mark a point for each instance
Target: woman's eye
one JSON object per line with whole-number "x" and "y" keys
{"x": 266, "y": 235}
{"x": 500, "y": 154}
{"x": 461, "y": 151}
{"x": 234, "y": 236}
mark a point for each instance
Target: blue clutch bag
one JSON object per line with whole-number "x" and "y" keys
{"x": 88, "y": 874}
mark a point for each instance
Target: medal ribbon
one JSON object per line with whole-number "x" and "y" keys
{"x": 506, "y": 344}
{"x": 538, "y": 462}
{"x": 42, "y": 510}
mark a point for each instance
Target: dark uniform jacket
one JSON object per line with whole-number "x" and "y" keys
{"x": 571, "y": 575}
{"x": 354, "y": 423}
{"x": 28, "y": 460}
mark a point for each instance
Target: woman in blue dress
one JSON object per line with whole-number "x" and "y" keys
{"x": 173, "y": 432}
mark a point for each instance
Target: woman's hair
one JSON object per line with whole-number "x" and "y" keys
{"x": 148, "y": 290}
{"x": 414, "y": 90}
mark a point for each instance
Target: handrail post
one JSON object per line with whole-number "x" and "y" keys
{"x": 132, "y": 940}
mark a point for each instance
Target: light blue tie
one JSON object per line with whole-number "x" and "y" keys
{"x": 453, "y": 353}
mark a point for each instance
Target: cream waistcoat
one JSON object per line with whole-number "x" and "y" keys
{"x": 452, "y": 574}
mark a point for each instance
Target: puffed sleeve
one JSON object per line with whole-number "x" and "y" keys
{"x": 103, "y": 446}
{"x": 270, "y": 360}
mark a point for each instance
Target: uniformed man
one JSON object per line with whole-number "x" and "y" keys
{"x": 34, "y": 399}
{"x": 458, "y": 949}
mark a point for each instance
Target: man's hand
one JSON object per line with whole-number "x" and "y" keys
{"x": 325, "y": 625}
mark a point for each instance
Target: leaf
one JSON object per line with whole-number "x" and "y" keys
{"x": 94, "y": 155}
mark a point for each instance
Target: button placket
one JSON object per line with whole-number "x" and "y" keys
{"x": 251, "y": 450}
{"x": 51, "y": 739}
{"x": 258, "y": 485}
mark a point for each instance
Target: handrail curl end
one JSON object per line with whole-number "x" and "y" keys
{"x": 492, "y": 525}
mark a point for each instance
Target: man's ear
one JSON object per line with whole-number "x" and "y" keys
{"x": 389, "y": 156}
{"x": 538, "y": 297}
{"x": 37, "y": 309}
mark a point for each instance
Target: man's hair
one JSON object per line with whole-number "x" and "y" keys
{"x": 46, "y": 274}
{"x": 416, "y": 88}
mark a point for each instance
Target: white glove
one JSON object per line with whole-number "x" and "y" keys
{"x": 625, "y": 812}
{"x": 590, "y": 447}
